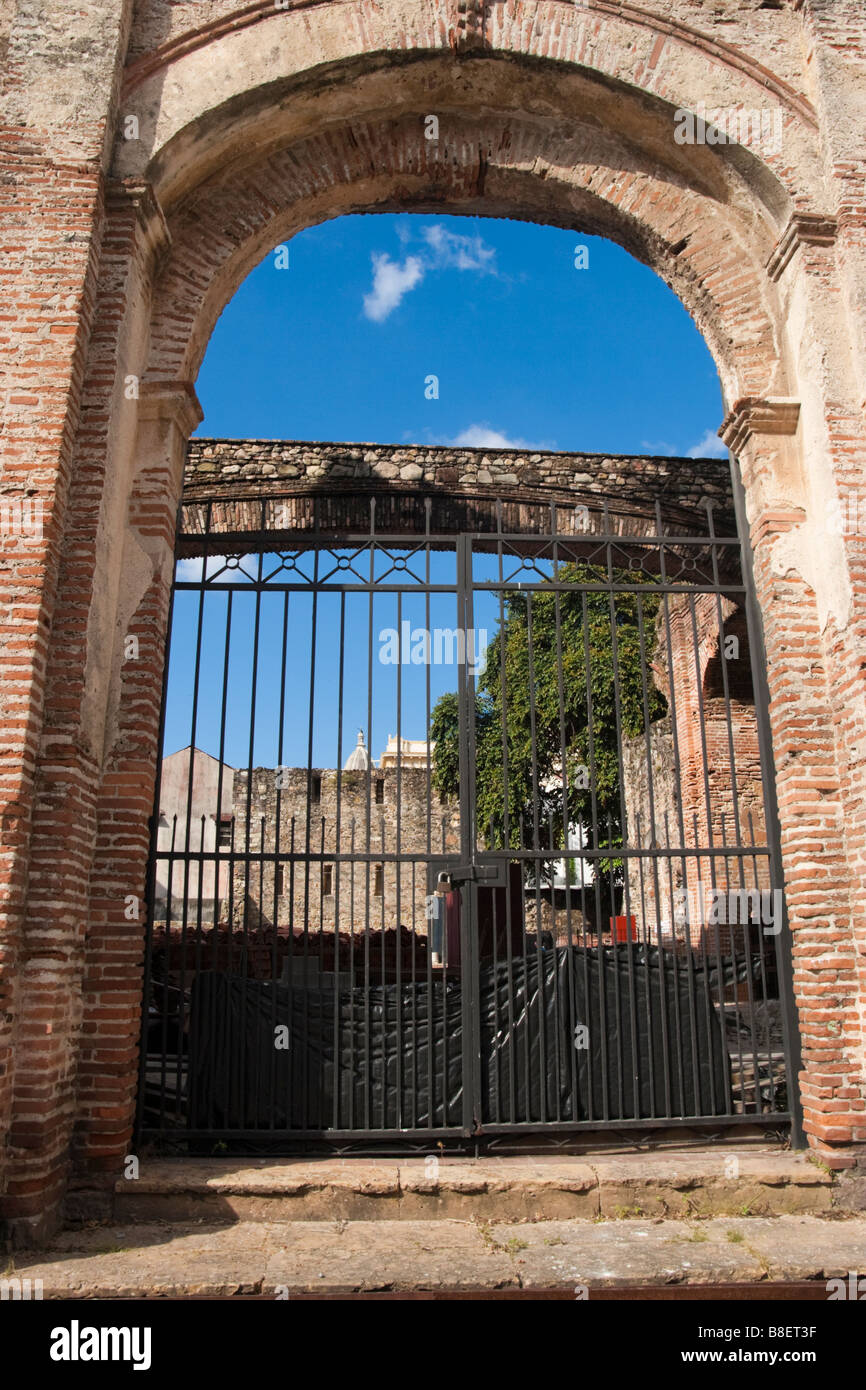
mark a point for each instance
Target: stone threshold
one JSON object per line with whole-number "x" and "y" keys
{"x": 705, "y": 1183}
{"x": 326, "y": 1258}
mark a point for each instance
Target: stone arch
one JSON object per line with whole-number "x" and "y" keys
{"x": 224, "y": 228}
{"x": 526, "y": 136}
{"x": 524, "y": 133}
{"x": 201, "y": 92}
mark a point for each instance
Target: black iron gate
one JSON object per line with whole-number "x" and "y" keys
{"x": 464, "y": 827}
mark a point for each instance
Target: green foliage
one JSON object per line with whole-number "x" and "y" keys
{"x": 570, "y": 718}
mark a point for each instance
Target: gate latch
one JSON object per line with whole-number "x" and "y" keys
{"x": 477, "y": 873}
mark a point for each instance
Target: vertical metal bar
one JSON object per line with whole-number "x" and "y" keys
{"x": 353, "y": 1017}
{"x": 536, "y": 864}
{"x": 338, "y": 873}
{"x": 600, "y": 1042}
{"x": 178, "y": 1090}
{"x": 514, "y": 1058}
{"x": 398, "y": 997}
{"x": 309, "y": 1122}
{"x": 632, "y": 1002}
{"x": 279, "y": 865}
{"x": 248, "y": 850}
{"x": 468, "y": 842}
{"x": 368, "y": 838}
{"x": 231, "y": 861}
{"x": 430, "y": 1025}
{"x": 568, "y": 863}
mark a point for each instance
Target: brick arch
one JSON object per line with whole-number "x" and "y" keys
{"x": 208, "y": 85}
{"x": 737, "y": 674}
{"x": 500, "y": 166}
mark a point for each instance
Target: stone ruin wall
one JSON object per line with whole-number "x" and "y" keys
{"x": 397, "y": 824}
{"x": 218, "y": 467}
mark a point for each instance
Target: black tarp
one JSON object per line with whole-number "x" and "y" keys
{"x": 624, "y": 1032}
{"x": 387, "y": 1075}
{"x": 618, "y": 1032}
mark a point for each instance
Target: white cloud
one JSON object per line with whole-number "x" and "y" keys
{"x": 391, "y": 281}
{"x": 452, "y": 251}
{"x": 710, "y": 447}
{"x": 659, "y": 447}
{"x": 445, "y": 250}
{"x": 483, "y": 437}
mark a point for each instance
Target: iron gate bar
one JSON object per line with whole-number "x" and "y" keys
{"x": 522, "y": 1063}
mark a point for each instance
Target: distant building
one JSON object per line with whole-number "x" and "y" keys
{"x": 308, "y": 815}
{"x": 196, "y": 806}
{"x": 412, "y": 752}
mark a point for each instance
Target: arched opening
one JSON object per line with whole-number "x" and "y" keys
{"x": 503, "y": 828}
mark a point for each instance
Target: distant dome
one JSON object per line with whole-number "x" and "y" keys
{"x": 359, "y": 759}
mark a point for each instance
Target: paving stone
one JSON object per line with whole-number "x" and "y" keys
{"x": 371, "y": 1255}
{"x": 804, "y": 1247}
{"x": 557, "y": 1253}
{"x": 337, "y": 1256}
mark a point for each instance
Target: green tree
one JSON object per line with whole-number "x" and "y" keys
{"x": 569, "y": 718}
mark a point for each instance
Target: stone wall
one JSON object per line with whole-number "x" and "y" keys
{"x": 410, "y": 819}
{"x": 680, "y": 484}
{"x": 651, "y": 823}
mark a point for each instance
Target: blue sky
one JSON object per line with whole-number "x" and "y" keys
{"x": 529, "y": 351}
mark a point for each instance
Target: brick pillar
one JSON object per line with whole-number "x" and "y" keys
{"x": 821, "y": 892}
{"x": 80, "y": 682}
{"x": 108, "y": 1054}
{"x": 60, "y": 70}
{"x": 832, "y": 276}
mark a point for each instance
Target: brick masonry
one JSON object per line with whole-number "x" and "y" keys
{"x": 117, "y": 255}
